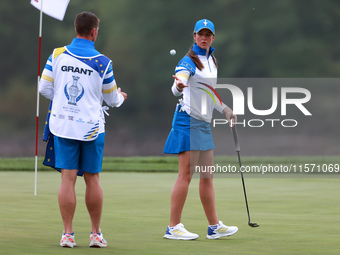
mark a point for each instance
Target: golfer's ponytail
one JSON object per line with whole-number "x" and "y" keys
{"x": 193, "y": 56}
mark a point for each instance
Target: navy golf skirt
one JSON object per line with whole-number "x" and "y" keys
{"x": 188, "y": 134}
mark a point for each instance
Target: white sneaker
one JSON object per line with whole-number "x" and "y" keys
{"x": 178, "y": 232}
{"x": 220, "y": 231}
{"x": 97, "y": 240}
{"x": 67, "y": 240}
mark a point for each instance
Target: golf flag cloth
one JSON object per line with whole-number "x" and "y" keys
{"x": 53, "y": 8}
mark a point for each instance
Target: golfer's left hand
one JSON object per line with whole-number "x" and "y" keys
{"x": 229, "y": 115}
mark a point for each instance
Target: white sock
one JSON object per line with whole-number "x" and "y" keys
{"x": 214, "y": 226}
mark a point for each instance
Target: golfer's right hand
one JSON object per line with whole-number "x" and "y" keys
{"x": 122, "y": 93}
{"x": 179, "y": 83}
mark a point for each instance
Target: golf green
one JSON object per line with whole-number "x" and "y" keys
{"x": 296, "y": 215}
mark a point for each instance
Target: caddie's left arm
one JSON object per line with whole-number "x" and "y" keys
{"x": 112, "y": 95}
{"x": 46, "y": 86}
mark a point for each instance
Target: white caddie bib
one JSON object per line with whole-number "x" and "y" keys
{"x": 77, "y": 105}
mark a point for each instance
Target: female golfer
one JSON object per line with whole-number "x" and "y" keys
{"x": 190, "y": 136}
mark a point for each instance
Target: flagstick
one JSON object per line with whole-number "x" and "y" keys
{"x": 37, "y": 123}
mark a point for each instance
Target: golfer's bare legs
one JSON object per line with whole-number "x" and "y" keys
{"x": 94, "y": 200}
{"x": 206, "y": 189}
{"x": 67, "y": 198}
{"x": 180, "y": 189}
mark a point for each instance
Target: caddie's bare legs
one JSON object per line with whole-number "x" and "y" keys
{"x": 67, "y": 198}
{"x": 94, "y": 200}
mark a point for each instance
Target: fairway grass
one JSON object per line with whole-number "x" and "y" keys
{"x": 296, "y": 215}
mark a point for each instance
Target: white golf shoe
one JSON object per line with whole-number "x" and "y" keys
{"x": 221, "y": 230}
{"x": 178, "y": 232}
{"x": 97, "y": 240}
{"x": 67, "y": 240}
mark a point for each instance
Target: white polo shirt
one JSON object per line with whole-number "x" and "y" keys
{"x": 200, "y": 98}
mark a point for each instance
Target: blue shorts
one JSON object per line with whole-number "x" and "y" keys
{"x": 86, "y": 156}
{"x": 188, "y": 134}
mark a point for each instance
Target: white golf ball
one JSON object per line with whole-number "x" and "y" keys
{"x": 173, "y": 52}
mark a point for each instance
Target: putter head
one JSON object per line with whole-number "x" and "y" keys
{"x": 253, "y": 225}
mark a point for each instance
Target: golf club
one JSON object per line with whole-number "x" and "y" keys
{"x": 237, "y": 147}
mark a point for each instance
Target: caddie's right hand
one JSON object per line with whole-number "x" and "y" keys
{"x": 179, "y": 83}
{"x": 122, "y": 93}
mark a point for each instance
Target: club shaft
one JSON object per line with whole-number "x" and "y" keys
{"x": 238, "y": 149}
{"x": 244, "y": 185}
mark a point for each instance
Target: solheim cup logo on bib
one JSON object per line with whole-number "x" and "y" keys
{"x": 74, "y": 92}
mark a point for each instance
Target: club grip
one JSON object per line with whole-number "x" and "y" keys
{"x": 237, "y": 145}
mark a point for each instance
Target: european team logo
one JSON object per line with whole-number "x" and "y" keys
{"x": 74, "y": 92}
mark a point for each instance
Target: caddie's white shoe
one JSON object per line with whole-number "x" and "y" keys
{"x": 67, "y": 240}
{"x": 178, "y": 232}
{"x": 220, "y": 230}
{"x": 97, "y": 240}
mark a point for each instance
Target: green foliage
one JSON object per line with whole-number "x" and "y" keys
{"x": 170, "y": 164}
